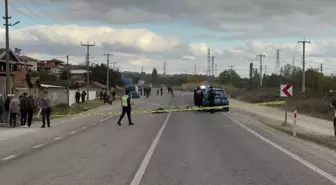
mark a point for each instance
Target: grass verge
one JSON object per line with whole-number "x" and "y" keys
{"x": 63, "y": 109}
{"x": 326, "y": 141}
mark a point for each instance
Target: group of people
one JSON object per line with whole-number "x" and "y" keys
{"x": 170, "y": 91}
{"x": 199, "y": 96}
{"x": 106, "y": 96}
{"x": 24, "y": 107}
{"x": 146, "y": 91}
{"x": 80, "y": 95}
{"x": 159, "y": 91}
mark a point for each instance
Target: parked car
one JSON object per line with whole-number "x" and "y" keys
{"x": 221, "y": 98}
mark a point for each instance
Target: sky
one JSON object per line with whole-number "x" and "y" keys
{"x": 148, "y": 33}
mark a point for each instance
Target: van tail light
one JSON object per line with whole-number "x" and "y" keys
{"x": 225, "y": 96}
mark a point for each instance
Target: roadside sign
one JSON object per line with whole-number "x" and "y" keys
{"x": 286, "y": 90}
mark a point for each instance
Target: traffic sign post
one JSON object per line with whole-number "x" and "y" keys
{"x": 286, "y": 90}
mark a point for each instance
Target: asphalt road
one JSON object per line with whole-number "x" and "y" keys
{"x": 193, "y": 148}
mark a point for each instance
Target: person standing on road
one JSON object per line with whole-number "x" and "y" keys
{"x": 126, "y": 108}
{"x": 211, "y": 99}
{"x": 7, "y": 101}
{"x": 199, "y": 97}
{"x": 157, "y": 91}
{"x": 2, "y": 109}
{"x": 161, "y": 90}
{"x": 23, "y": 109}
{"x": 77, "y": 96}
{"x": 45, "y": 105}
{"x": 30, "y": 110}
{"x": 14, "y": 108}
{"x": 83, "y": 95}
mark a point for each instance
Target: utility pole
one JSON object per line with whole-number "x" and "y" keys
{"x": 277, "y": 62}
{"x": 215, "y": 69}
{"x": 231, "y": 69}
{"x": 303, "y": 63}
{"x": 195, "y": 69}
{"x": 164, "y": 68}
{"x": 261, "y": 74}
{"x": 141, "y": 69}
{"x": 108, "y": 72}
{"x": 265, "y": 73}
{"x": 321, "y": 68}
{"x": 88, "y": 45}
{"x": 7, "y": 25}
{"x": 208, "y": 70}
{"x": 213, "y": 65}
{"x": 68, "y": 81}
{"x": 114, "y": 63}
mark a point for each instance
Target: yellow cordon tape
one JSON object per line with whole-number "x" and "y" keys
{"x": 167, "y": 110}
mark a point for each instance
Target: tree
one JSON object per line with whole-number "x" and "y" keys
{"x": 99, "y": 73}
{"x": 64, "y": 74}
{"x": 229, "y": 77}
{"x": 154, "y": 76}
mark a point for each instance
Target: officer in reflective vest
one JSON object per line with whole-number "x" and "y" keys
{"x": 126, "y": 108}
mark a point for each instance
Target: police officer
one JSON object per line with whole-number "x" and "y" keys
{"x": 199, "y": 97}
{"x": 211, "y": 98}
{"x": 126, "y": 108}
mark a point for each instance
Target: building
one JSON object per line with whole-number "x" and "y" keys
{"x": 53, "y": 66}
{"x": 29, "y": 62}
{"x": 78, "y": 72}
{"x": 17, "y": 70}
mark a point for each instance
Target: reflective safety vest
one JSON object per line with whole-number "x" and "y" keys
{"x": 124, "y": 101}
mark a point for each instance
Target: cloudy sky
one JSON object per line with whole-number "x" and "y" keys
{"x": 178, "y": 32}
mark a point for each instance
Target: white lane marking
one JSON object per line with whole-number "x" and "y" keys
{"x": 93, "y": 124}
{"x": 139, "y": 174}
{"x": 38, "y": 146}
{"x": 58, "y": 138}
{"x": 9, "y": 157}
{"x": 105, "y": 119}
{"x": 73, "y": 132}
{"x": 84, "y": 128}
{"x": 290, "y": 154}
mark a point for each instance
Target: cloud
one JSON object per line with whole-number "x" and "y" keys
{"x": 134, "y": 48}
{"x": 247, "y": 19}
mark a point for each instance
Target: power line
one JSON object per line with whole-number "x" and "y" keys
{"x": 303, "y": 63}
{"x": 88, "y": 45}
{"x": 260, "y": 73}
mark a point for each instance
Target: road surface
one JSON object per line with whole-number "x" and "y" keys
{"x": 193, "y": 148}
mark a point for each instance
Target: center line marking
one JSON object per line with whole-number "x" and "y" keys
{"x": 58, "y": 138}
{"x": 139, "y": 174}
{"x": 38, "y": 146}
{"x": 9, "y": 157}
{"x": 73, "y": 132}
{"x": 290, "y": 154}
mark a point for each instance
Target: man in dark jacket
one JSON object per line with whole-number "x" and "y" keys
{"x": 211, "y": 99}
{"x": 199, "y": 97}
{"x": 31, "y": 108}
{"x": 23, "y": 109}
{"x": 7, "y": 101}
{"x": 77, "y": 96}
{"x": 126, "y": 108}
{"x": 83, "y": 95}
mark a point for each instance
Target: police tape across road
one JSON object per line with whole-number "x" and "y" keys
{"x": 162, "y": 110}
